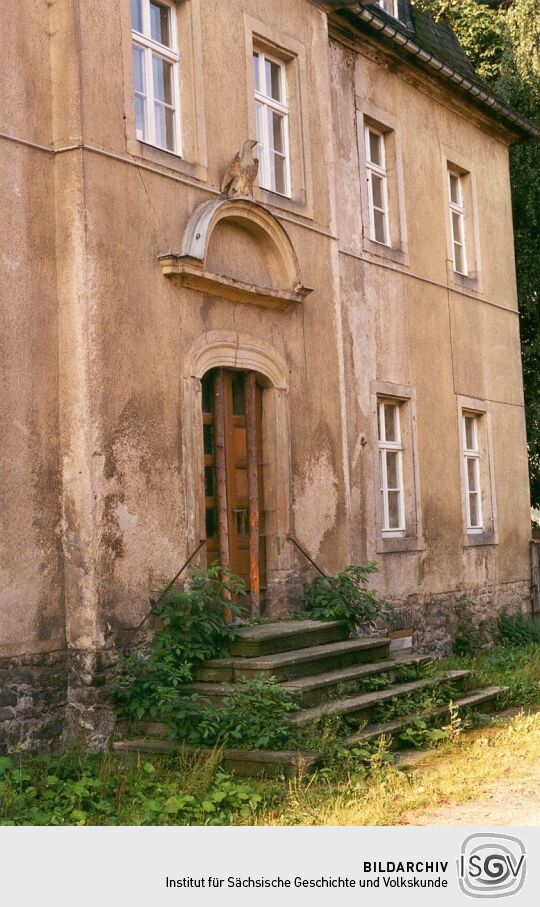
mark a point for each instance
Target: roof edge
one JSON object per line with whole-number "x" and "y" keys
{"x": 481, "y": 95}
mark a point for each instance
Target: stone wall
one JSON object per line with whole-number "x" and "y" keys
{"x": 434, "y": 618}
{"x": 33, "y": 698}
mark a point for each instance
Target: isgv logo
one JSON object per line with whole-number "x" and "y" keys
{"x": 491, "y": 866}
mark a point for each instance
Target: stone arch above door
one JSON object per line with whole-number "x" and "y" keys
{"x": 262, "y": 269}
{"x": 229, "y": 349}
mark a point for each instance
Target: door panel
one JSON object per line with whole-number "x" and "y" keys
{"x": 236, "y": 465}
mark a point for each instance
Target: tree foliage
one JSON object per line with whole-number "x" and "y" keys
{"x": 503, "y": 43}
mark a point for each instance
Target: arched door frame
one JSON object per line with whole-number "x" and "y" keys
{"x": 229, "y": 349}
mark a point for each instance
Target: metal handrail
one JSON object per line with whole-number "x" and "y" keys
{"x": 168, "y": 588}
{"x": 306, "y": 555}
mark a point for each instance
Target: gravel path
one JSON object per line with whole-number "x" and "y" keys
{"x": 515, "y": 803}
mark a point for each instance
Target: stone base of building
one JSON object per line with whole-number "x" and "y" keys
{"x": 434, "y": 619}
{"x": 33, "y": 700}
{"x": 51, "y": 701}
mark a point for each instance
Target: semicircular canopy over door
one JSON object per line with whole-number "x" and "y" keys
{"x": 233, "y": 475}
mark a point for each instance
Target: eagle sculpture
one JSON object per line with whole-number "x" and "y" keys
{"x": 241, "y": 172}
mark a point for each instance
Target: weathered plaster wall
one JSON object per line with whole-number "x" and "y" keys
{"x": 94, "y": 338}
{"x": 406, "y": 324}
{"x": 31, "y": 618}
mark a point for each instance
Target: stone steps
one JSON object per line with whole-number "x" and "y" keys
{"x": 326, "y": 671}
{"x": 249, "y": 763}
{"x": 321, "y": 687}
{"x": 269, "y": 763}
{"x": 360, "y": 707}
{"x": 317, "y": 688}
{"x": 484, "y": 699}
{"x": 303, "y": 662}
{"x": 270, "y": 639}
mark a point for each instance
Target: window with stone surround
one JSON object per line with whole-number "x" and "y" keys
{"x": 478, "y": 487}
{"x": 377, "y": 182}
{"x": 391, "y": 468}
{"x": 382, "y": 183}
{"x": 397, "y": 480}
{"x": 155, "y": 73}
{"x": 272, "y": 119}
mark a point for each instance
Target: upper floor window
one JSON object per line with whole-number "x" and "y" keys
{"x": 389, "y": 6}
{"x": 377, "y": 179}
{"x": 473, "y": 488}
{"x": 155, "y": 73}
{"x": 391, "y": 468}
{"x": 457, "y": 221}
{"x": 272, "y": 115}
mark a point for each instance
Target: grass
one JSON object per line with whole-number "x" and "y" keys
{"x": 515, "y": 668}
{"x": 358, "y": 788}
{"x": 454, "y": 774}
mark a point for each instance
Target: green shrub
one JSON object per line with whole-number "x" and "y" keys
{"x": 345, "y": 597}
{"x": 101, "y": 790}
{"x": 419, "y": 735}
{"x": 250, "y": 717}
{"x": 515, "y": 630}
{"x": 191, "y": 629}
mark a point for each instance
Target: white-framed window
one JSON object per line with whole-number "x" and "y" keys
{"x": 377, "y": 180}
{"x": 473, "y": 486}
{"x": 391, "y": 468}
{"x": 156, "y": 73}
{"x": 457, "y": 221}
{"x": 389, "y": 6}
{"x": 272, "y": 114}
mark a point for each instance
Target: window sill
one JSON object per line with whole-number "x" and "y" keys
{"x": 478, "y": 539}
{"x": 168, "y": 159}
{"x": 398, "y": 544}
{"x": 296, "y": 205}
{"x": 390, "y": 253}
{"x": 471, "y": 283}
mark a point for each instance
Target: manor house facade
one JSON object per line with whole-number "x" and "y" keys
{"x": 202, "y": 355}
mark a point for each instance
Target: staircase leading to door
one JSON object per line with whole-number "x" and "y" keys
{"x": 328, "y": 672}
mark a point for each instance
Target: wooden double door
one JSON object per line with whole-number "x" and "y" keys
{"x": 233, "y": 475}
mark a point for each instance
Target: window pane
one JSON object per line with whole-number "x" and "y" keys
{"x": 238, "y": 393}
{"x": 242, "y": 523}
{"x": 390, "y": 422}
{"x": 275, "y": 127}
{"x": 470, "y": 443}
{"x": 392, "y": 470}
{"x": 160, "y": 24}
{"x": 474, "y": 510}
{"x": 393, "y": 510}
{"x": 209, "y": 482}
{"x": 377, "y": 191}
{"x": 211, "y": 524}
{"x": 138, "y": 69}
{"x": 380, "y": 228}
{"x": 375, "y": 148}
{"x": 456, "y": 227}
{"x": 209, "y": 446}
{"x": 454, "y": 188}
{"x": 208, "y": 393}
{"x": 472, "y": 475}
{"x": 273, "y": 80}
{"x": 164, "y": 117}
{"x": 140, "y": 117}
{"x": 459, "y": 261}
{"x": 280, "y": 184}
{"x": 256, "y": 73}
{"x": 162, "y": 72}
{"x": 136, "y": 15}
